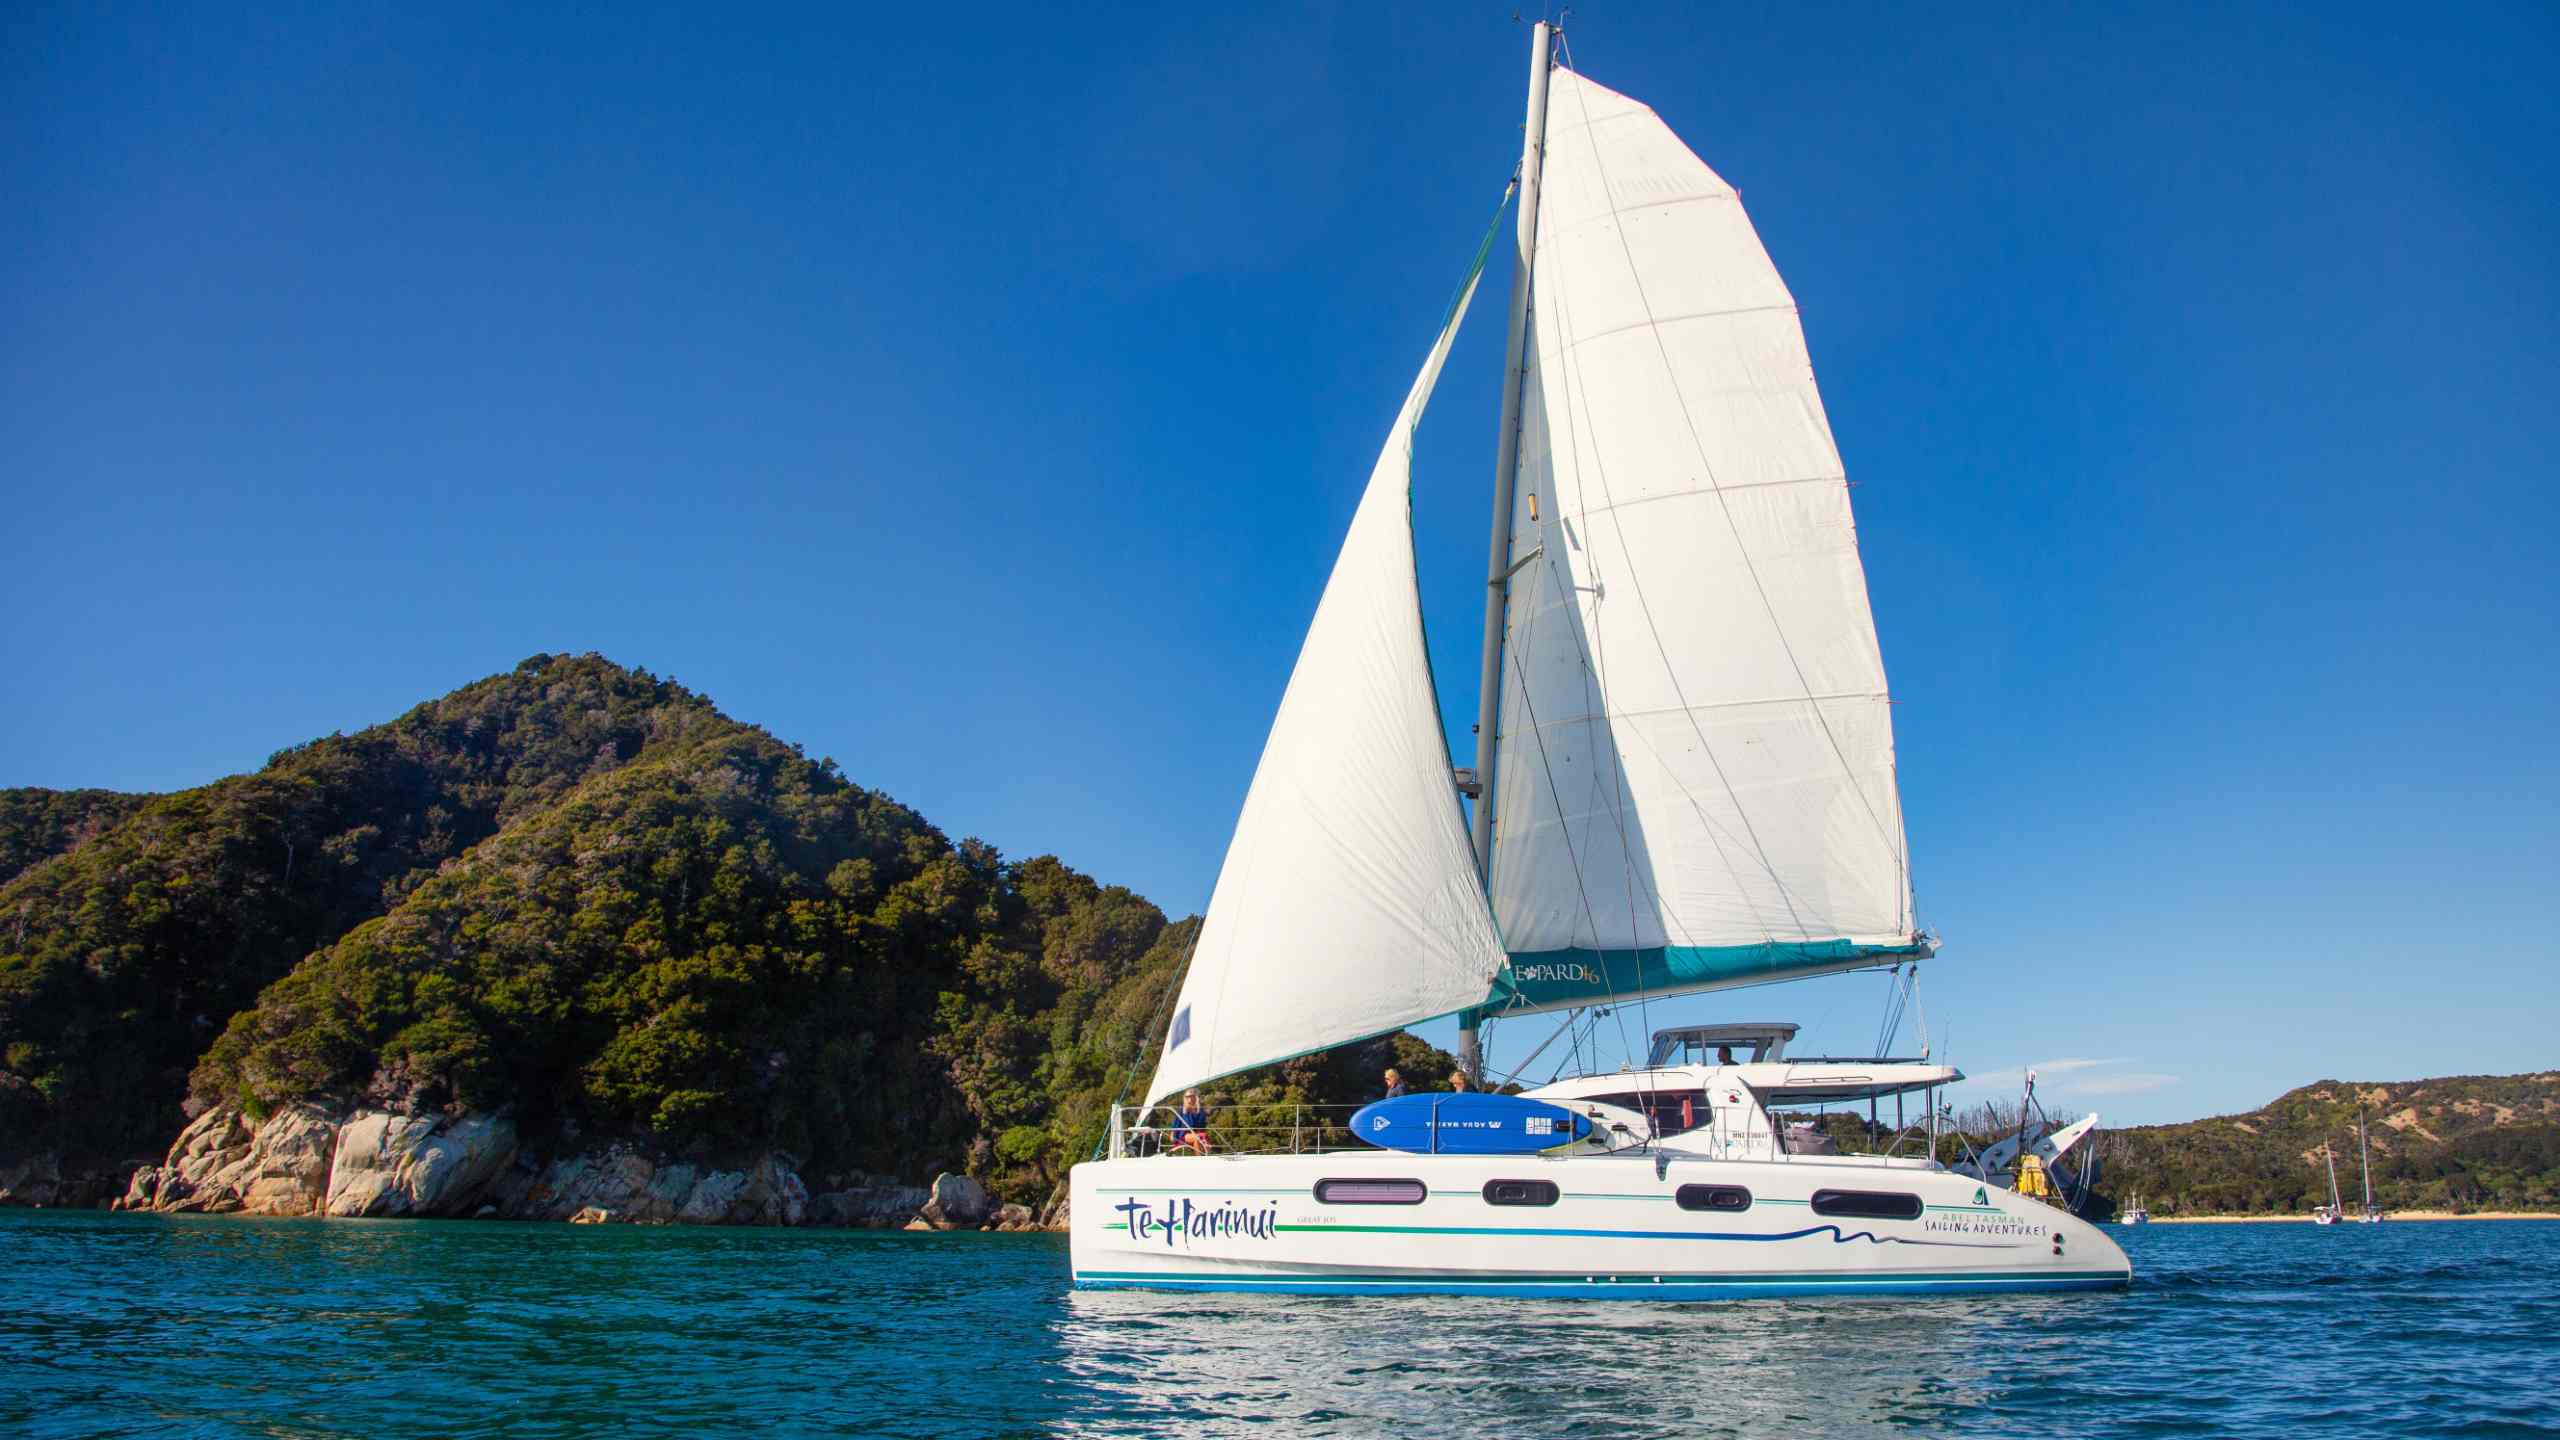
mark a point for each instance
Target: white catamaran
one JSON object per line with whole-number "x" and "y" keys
{"x": 1684, "y": 780}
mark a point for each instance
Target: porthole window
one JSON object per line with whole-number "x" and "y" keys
{"x": 1714, "y": 1197}
{"x": 1866, "y": 1204}
{"x": 1370, "y": 1192}
{"x": 1520, "y": 1192}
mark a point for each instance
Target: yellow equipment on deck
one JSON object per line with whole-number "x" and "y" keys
{"x": 2032, "y": 1179}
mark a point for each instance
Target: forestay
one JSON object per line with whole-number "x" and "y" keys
{"x": 1695, "y": 779}
{"x": 1349, "y": 903}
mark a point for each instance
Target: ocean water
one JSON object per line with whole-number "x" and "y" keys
{"x": 140, "y": 1325}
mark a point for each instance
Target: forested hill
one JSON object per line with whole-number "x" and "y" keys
{"x": 579, "y": 895}
{"x": 2466, "y": 1142}
{"x": 122, "y": 957}
{"x": 37, "y": 824}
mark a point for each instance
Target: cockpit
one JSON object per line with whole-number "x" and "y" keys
{"x": 1720, "y": 1044}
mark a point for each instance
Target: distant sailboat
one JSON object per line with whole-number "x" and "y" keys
{"x": 2364, "y": 1158}
{"x": 2328, "y": 1214}
{"x": 1684, "y": 781}
{"x": 2134, "y": 1214}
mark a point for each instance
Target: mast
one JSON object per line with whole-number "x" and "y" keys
{"x": 1533, "y": 145}
{"x": 2336, "y": 1205}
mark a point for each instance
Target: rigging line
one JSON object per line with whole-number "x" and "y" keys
{"x": 1585, "y": 655}
{"x": 1226, "y": 972}
{"x": 1596, "y": 674}
{"x": 1590, "y": 716}
{"x": 1718, "y": 833}
{"x": 1589, "y": 1016}
{"x": 1595, "y": 687}
{"x": 1445, "y": 338}
{"x": 1172, "y": 987}
{"x": 1555, "y": 793}
{"x": 1578, "y": 394}
{"x": 1475, "y": 268}
{"x": 1724, "y": 506}
{"x": 1564, "y": 825}
{"x": 1895, "y": 999}
{"x": 1582, "y": 889}
{"x": 1572, "y": 1017}
{"x": 1565, "y": 590}
{"x": 1593, "y": 664}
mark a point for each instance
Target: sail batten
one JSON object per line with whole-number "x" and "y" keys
{"x": 1696, "y": 784}
{"x": 1349, "y": 904}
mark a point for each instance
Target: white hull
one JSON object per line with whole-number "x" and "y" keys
{"x": 1616, "y": 1229}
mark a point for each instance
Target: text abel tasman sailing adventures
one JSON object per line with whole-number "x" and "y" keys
{"x": 1686, "y": 767}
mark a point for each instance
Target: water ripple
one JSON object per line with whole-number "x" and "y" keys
{"x": 122, "y": 1325}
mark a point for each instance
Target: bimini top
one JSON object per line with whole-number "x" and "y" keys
{"x": 1695, "y": 1044}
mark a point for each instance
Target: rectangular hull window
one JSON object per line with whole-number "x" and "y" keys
{"x": 1713, "y": 1197}
{"x": 1520, "y": 1192}
{"x": 1370, "y": 1192}
{"x": 1866, "y": 1204}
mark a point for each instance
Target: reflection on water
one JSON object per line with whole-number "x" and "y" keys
{"x": 117, "y": 1325}
{"x": 1455, "y": 1366}
{"x": 2232, "y": 1330}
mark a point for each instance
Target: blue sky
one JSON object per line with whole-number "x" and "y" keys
{"x": 979, "y": 398}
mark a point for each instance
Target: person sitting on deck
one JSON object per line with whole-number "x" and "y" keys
{"x": 1724, "y": 1054}
{"x": 1191, "y": 1124}
{"x": 1458, "y": 1083}
{"x": 1395, "y": 1084}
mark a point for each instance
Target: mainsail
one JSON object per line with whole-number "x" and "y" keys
{"x": 1349, "y": 903}
{"x": 1695, "y": 778}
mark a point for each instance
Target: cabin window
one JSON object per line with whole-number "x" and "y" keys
{"x": 1370, "y": 1192}
{"x": 1713, "y": 1197}
{"x": 1520, "y": 1192}
{"x": 1866, "y": 1204}
{"x": 1670, "y": 1112}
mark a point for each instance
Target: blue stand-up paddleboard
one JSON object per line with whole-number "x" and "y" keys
{"x": 1470, "y": 1124}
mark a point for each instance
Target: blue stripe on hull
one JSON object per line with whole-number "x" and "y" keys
{"x": 1671, "y": 1287}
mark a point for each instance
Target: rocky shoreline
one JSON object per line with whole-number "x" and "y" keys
{"x": 303, "y": 1160}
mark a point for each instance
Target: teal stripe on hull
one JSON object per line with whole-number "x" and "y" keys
{"x": 1621, "y": 1287}
{"x": 1556, "y": 979}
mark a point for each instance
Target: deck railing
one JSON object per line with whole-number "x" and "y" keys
{"x": 1279, "y": 1128}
